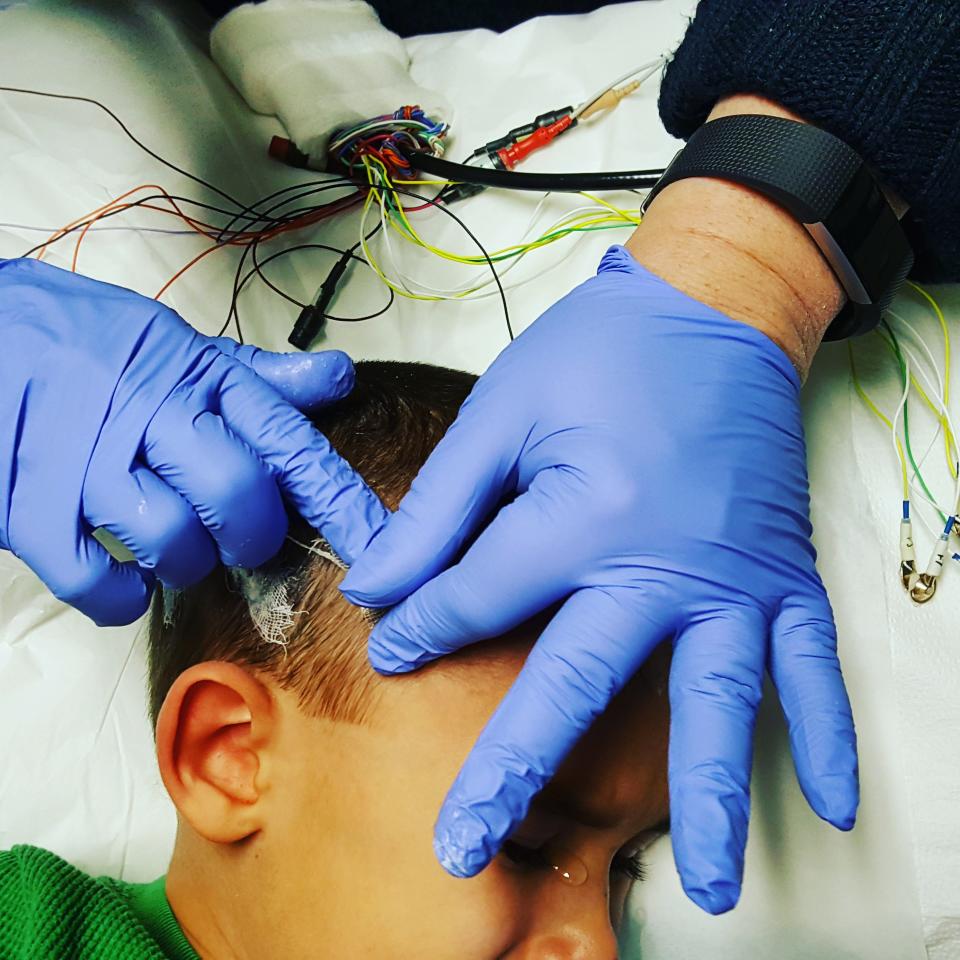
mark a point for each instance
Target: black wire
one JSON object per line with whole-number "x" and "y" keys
{"x": 245, "y": 209}
{"x": 271, "y": 222}
{"x": 418, "y": 159}
{"x": 472, "y": 236}
{"x": 317, "y": 186}
{"x": 351, "y": 253}
{"x": 126, "y": 130}
{"x": 127, "y": 206}
{"x": 540, "y": 182}
{"x": 258, "y": 267}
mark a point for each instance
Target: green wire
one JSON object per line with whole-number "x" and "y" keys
{"x": 562, "y": 232}
{"x": 894, "y": 344}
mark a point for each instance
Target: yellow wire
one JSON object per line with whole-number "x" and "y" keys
{"x": 875, "y": 410}
{"x": 380, "y": 181}
{"x": 948, "y": 438}
{"x": 604, "y": 203}
{"x": 378, "y": 270}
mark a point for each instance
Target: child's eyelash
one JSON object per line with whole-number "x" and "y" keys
{"x": 633, "y": 867}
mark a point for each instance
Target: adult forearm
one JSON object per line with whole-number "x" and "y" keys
{"x": 734, "y": 249}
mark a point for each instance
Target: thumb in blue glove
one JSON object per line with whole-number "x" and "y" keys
{"x": 183, "y": 447}
{"x": 653, "y": 450}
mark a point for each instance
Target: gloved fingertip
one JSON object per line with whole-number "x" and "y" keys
{"x": 307, "y": 380}
{"x": 462, "y": 842}
{"x": 120, "y": 606}
{"x": 715, "y": 899}
{"x": 356, "y": 588}
{"x": 389, "y": 653}
{"x": 255, "y": 551}
{"x": 839, "y": 797}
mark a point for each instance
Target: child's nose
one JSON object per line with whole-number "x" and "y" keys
{"x": 573, "y": 924}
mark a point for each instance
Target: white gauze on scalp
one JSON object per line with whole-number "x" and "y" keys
{"x": 267, "y": 592}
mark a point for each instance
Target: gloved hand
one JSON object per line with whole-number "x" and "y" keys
{"x": 656, "y": 450}
{"x": 117, "y": 414}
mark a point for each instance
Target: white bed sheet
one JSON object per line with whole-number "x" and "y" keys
{"x": 76, "y": 767}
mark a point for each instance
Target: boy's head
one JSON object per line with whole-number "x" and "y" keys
{"x": 307, "y": 785}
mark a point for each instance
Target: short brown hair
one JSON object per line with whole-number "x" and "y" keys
{"x": 385, "y": 429}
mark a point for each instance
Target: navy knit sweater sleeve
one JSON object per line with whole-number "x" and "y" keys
{"x": 883, "y": 75}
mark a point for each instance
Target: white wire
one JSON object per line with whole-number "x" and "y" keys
{"x": 651, "y": 67}
{"x": 895, "y": 420}
{"x": 923, "y": 343}
{"x": 928, "y": 383}
{"x": 938, "y": 402}
{"x": 472, "y": 289}
{"x": 941, "y": 408}
{"x": 476, "y": 289}
{"x": 914, "y": 485}
{"x": 49, "y": 230}
{"x": 912, "y": 330}
{"x": 372, "y": 125}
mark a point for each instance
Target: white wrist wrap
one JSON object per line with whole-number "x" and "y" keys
{"x": 316, "y": 65}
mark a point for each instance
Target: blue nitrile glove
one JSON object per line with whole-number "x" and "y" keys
{"x": 117, "y": 414}
{"x": 657, "y": 451}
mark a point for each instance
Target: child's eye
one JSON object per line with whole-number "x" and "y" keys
{"x": 632, "y": 866}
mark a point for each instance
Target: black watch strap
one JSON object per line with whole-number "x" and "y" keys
{"x": 822, "y": 182}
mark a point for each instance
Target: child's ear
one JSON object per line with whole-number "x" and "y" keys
{"x": 212, "y": 733}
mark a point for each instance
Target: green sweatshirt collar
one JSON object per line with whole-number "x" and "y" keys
{"x": 149, "y": 903}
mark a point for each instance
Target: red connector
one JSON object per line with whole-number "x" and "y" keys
{"x": 511, "y": 156}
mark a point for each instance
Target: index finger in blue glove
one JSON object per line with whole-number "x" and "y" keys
{"x": 716, "y": 682}
{"x": 230, "y": 488}
{"x": 806, "y": 672}
{"x": 525, "y": 560}
{"x": 592, "y": 647}
{"x": 151, "y": 519}
{"x": 309, "y": 381}
{"x": 328, "y": 493}
{"x": 463, "y": 479}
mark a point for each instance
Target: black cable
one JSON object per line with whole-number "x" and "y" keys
{"x": 314, "y": 315}
{"x": 244, "y": 209}
{"x": 540, "y": 182}
{"x": 257, "y": 264}
{"x": 258, "y": 270}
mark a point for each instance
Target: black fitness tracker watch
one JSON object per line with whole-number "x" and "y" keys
{"x": 822, "y": 182}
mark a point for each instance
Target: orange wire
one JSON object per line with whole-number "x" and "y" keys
{"x": 199, "y": 226}
{"x": 59, "y": 233}
{"x": 184, "y": 269}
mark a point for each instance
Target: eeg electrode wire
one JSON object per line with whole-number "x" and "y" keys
{"x": 920, "y": 372}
